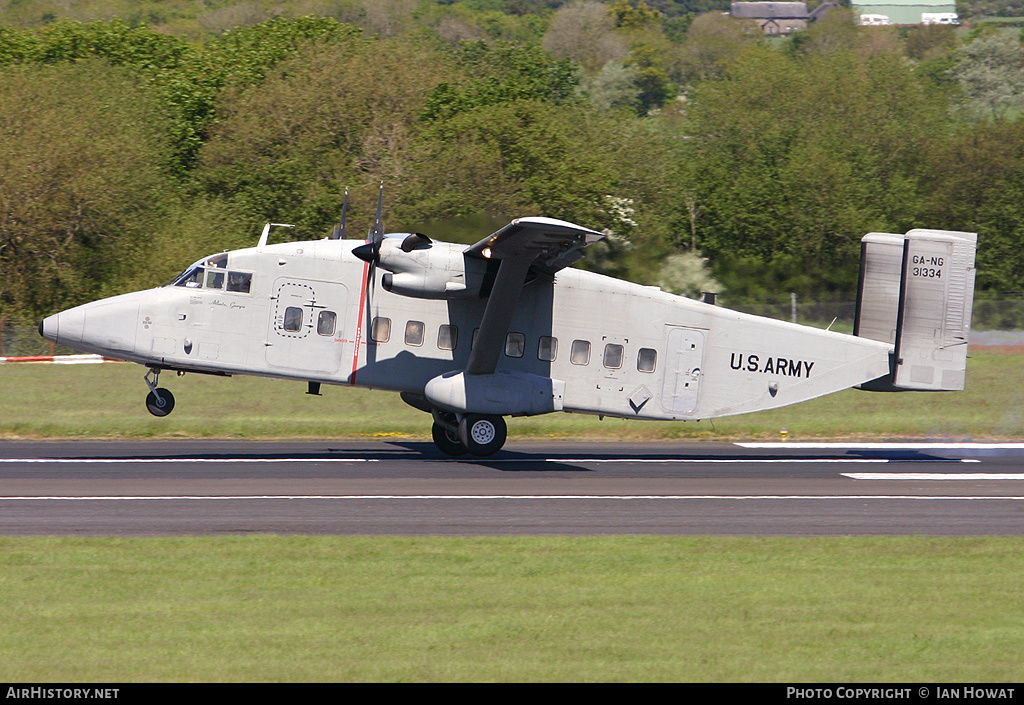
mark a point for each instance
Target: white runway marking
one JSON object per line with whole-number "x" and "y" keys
{"x": 221, "y": 498}
{"x": 888, "y": 446}
{"x": 934, "y": 475}
{"x": 488, "y": 461}
{"x": 135, "y": 461}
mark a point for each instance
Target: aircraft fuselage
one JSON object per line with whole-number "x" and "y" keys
{"x": 305, "y": 311}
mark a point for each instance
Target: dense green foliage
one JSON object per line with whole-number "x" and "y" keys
{"x": 995, "y": 8}
{"x": 82, "y": 179}
{"x": 135, "y": 142}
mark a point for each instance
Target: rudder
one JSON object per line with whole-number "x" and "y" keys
{"x": 916, "y": 292}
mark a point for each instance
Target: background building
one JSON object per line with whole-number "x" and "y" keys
{"x": 903, "y": 11}
{"x": 779, "y": 17}
{"x": 773, "y": 17}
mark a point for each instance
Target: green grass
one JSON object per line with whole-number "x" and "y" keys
{"x": 629, "y": 608}
{"x": 40, "y": 401}
{"x": 265, "y": 608}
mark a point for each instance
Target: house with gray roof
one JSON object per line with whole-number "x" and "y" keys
{"x": 778, "y": 17}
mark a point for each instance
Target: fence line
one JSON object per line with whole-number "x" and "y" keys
{"x": 987, "y": 314}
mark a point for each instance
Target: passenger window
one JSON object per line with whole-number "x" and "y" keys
{"x": 613, "y": 356}
{"x": 447, "y": 337}
{"x": 414, "y": 333}
{"x": 547, "y": 348}
{"x": 292, "y": 319}
{"x": 380, "y": 330}
{"x": 239, "y": 281}
{"x": 326, "y": 323}
{"x": 580, "y": 353}
{"x": 515, "y": 344}
{"x": 647, "y": 360}
{"x": 214, "y": 279}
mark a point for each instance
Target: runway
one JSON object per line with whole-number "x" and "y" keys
{"x": 407, "y": 488}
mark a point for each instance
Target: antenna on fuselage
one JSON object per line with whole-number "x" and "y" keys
{"x": 266, "y": 232}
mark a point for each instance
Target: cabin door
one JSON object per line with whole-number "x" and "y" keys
{"x": 307, "y": 325}
{"x": 684, "y": 352}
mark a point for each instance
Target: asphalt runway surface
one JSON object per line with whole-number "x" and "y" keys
{"x": 96, "y": 488}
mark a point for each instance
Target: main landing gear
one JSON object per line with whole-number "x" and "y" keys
{"x": 477, "y": 434}
{"x": 159, "y": 401}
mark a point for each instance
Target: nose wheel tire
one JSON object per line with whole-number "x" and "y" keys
{"x": 447, "y": 441}
{"x": 482, "y": 435}
{"x": 160, "y": 402}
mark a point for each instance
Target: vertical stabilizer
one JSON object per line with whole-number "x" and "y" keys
{"x": 916, "y": 292}
{"x": 878, "y": 294}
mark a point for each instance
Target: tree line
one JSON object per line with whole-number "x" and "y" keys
{"x": 713, "y": 157}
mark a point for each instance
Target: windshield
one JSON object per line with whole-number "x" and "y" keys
{"x": 191, "y": 277}
{"x": 211, "y": 273}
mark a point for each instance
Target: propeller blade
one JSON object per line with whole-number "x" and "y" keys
{"x": 378, "y": 224}
{"x": 343, "y": 234}
{"x": 370, "y": 251}
{"x": 340, "y": 232}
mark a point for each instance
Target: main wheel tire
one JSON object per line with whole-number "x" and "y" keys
{"x": 447, "y": 441}
{"x": 160, "y": 405}
{"x": 482, "y": 435}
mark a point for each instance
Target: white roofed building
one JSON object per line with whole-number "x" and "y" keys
{"x": 905, "y": 12}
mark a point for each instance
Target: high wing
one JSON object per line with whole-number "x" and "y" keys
{"x": 550, "y": 244}
{"x": 545, "y": 244}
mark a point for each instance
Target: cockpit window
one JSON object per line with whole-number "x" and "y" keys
{"x": 214, "y": 279}
{"x": 211, "y": 273}
{"x": 218, "y": 261}
{"x": 239, "y": 281}
{"x": 191, "y": 278}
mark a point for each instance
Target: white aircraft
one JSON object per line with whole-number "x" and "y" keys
{"x": 471, "y": 334}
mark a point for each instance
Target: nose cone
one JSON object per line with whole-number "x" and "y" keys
{"x": 65, "y": 327}
{"x": 105, "y": 327}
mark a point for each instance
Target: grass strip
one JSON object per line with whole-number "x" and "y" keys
{"x": 41, "y": 401}
{"x": 621, "y": 608}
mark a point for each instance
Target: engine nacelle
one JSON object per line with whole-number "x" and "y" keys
{"x": 423, "y": 269}
{"x": 504, "y": 393}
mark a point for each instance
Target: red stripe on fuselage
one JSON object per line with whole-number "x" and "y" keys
{"x": 359, "y": 325}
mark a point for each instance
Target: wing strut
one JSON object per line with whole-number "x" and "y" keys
{"x": 501, "y": 306}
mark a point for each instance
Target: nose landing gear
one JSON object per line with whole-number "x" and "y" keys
{"x": 159, "y": 401}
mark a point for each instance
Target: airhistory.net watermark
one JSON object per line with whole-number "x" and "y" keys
{"x": 62, "y": 693}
